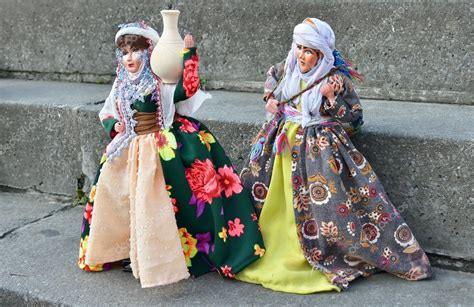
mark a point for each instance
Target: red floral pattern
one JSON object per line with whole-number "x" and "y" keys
{"x": 229, "y": 181}
{"x": 191, "y": 76}
{"x": 197, "y": 173}
{"x": 227, "y": 271}
{"x": 186, "y": 125}
{"x": 88, "y": 213}
{"x": 235, "y": 228}
{"x": 203, "y": 180}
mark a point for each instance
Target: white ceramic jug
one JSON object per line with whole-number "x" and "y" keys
{"x": 166, "y": 59}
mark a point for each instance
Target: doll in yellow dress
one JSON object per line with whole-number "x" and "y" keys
{"x": 324, "y": 215}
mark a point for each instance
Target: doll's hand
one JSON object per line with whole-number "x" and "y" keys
{"x": 119, "y": 127}
{"x": 338, "y": 83}
{"x": 188, "y": 41}
{"x": 327, "y": 90}
{"x": 272, "y": 105}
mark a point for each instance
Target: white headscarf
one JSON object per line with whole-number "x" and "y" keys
{"x": 316, "y": 34}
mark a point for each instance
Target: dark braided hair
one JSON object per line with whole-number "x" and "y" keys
{"x": 133, "y": 40}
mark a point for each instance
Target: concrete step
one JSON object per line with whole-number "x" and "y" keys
{"x": 39, "y": 249}
{"x": 51, "y": 137}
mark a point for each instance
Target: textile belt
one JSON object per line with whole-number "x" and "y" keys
{"x": 146, "y": 123}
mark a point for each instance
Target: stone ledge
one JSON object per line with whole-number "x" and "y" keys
{"x": 51, "y": 136}
{"x": 451, "y": 97}
{"x": 444, "y": 97}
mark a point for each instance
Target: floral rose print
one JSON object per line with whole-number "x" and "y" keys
{"x": 186, "y": 125}
{"x": 82, "y": 258}
{"x": 370, "y": 233}
{"x": 191, "y": 76}
{"x": 227, "y": 271}
{"x": 259, "y": 251}
{"x": 254, "y": 217}
{"x": 207, "y": 139}
{"x": 203, "y": 180}
{"x": 259, "y": 191}
{"x": 319, "y": 193}
{"x": 204, "y": 243}
{"x": 322, "y": 142}
{"x": 404, "y": 236}
{"x": 188, "y": 244}
{"x": 329, "y": 229}
{"x": 310, "y": 229}
{"x": 92, "y": 193}
{"x": 236, "y": 229}
{"x": 166, "y": 144}
{"x": 351, "y": 228}
{"x": 343, "y": 217}
{"x": 229, "y": 181}
{"x": 223, "y": 234}
{"x": 88, "y": 213}
{"x": 343, "y": 210}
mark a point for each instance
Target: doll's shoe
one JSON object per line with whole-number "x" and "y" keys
{"x": 126, "y": 266}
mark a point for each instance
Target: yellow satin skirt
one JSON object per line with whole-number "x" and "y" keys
{"x": 283, "y": 267}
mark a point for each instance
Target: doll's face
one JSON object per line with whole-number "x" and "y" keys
{"x": 307, "y": 58}
{"x": 131, "y": 58}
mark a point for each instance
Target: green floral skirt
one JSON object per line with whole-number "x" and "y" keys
{"x": 217, "y": 222}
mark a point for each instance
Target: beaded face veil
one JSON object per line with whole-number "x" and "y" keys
{"x": 130, "y": 87}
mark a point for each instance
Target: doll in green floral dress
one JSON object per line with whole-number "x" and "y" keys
{"x": 166, "y": 195}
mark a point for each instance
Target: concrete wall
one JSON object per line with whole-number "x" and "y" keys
{"x": 408, "y": 50}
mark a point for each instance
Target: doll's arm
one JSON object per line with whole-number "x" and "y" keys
{"x": 273, "y": 75}
{"x": 189, "y": 82}
{"x": 108, "y": 114}
{"x": 345, "y": 106}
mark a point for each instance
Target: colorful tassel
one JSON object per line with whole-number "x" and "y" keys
{"x": 282, "y": 142}
{"x": 347, "y": 66}
{"x": 257, "y": 149}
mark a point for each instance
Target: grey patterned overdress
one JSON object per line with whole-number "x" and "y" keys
{"x": 346, "y": 225}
